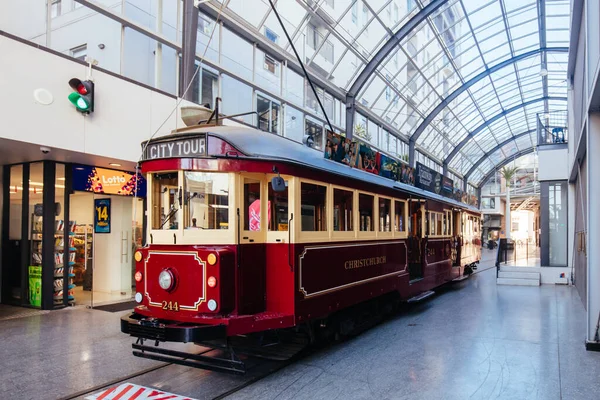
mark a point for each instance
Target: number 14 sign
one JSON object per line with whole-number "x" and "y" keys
{"x": 101, "y": 215}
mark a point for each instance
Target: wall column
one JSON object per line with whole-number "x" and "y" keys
{"x": 593, "y": 227}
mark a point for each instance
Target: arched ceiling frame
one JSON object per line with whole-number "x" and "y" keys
{"x": 496, "y": 148}
{"x": 503, "y": 163}
{"x": 452, "y": 96}
{"x": 379, "y": 58}
{"x": 501, "y": 114}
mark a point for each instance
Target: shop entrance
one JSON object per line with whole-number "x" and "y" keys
{"x": 103, "y": 260}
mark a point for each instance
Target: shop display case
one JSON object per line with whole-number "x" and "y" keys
{"x": 83, "y": 242}
{"x": 61, "y": 262}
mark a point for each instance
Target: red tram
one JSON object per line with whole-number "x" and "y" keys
{"x": 233, "y": 251}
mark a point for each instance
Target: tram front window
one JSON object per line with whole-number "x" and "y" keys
{"x": 165, "y": 194}
{"x": 206, "y": 204}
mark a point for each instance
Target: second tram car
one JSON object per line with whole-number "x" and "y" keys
{"x": 249, "y": 232}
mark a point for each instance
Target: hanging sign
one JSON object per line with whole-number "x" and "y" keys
{"x": 108, "y": 181}
{"x": 176, "y": 148}
{"x": 101, "y": 215}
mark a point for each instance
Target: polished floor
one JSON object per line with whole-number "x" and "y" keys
{"x": 474, "y": 340}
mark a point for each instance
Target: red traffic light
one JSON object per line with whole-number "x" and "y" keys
{"x": 78, "y": 86}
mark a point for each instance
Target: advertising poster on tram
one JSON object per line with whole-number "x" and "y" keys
{"x": 447, "y": 187}
{"x": 407, "y": 174}
{"x": 390, "y": 168}
{"x": 367, "y": 158}
{"x": 340, "y": 149}
{"x": 428, "y": 179}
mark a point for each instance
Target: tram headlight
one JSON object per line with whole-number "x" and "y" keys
{"x": 139, "y": 297}
{"x": 212, "y": 305}
{"x": 166, "y": 280}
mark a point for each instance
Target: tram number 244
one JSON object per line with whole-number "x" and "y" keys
{"x": 170, "y": 305}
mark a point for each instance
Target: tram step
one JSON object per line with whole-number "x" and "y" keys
{"x": 421, "y": 296}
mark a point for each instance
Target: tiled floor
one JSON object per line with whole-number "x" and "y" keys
{"x": 474, "y": 340}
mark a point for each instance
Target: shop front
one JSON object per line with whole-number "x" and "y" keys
{"x": 68, "y": 234}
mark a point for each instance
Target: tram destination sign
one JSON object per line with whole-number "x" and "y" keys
{"x": 176, "y": 148}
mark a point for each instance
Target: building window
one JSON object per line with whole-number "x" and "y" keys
{"x": 210, "y": 87}
{"x": 396, "y": 13}
{"x": 79, "y": 52}
{"x": 55, "y": 8}
{"x": 268, "y": 114}
{"x": 410, "y": 4}
{"x": 330, "y": 3}
{"x": 312, "y": 37}
{"x": 205, "y": 25}
{"x": 315, "y": 130}
{"x": 355, "y": 12}
{"x": 272, "y": 36}
{"x": 271, "y": 65}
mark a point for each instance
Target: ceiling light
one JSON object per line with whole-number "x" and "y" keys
{"x": 543, "y": 72}
{"x": 114, "y": 164}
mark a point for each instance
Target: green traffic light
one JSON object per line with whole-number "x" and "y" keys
{"x": 79, "y": 102}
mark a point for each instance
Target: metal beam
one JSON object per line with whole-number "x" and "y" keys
{"x": 446, "y": 102}
{"x": 381, "y": 55}
{"x": 503, "y": 163}
{"x": 485, "y": 124}
{"x": 498, "y": 147}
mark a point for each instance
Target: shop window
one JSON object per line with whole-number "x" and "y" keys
{"x": 206, "y": 200}
{"x": 343, "y": 207}
{"x": 251, "y": 205}
{"x": 385, "y": 215}
{"x": 313, "y": 202}
{"x": 365, "y": 209}
{"x": 278, "y": 213}
{"x": 205, "y": 25}
{"x": 399, "y": 223}
{"x": 165, "y": 199}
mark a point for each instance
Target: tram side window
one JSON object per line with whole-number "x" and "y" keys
{"x": 399, "y": 225}
{"x": 385, "y": 215}
{"x": 251, "y": 205}
{"x": 278, "y": 205}
{"x": 313, "y": 205}
{"x": 206, "y": 200}
{"x": 343, "y": 207}
{"x": 365, "y": 209}
{"x": 165, "y": 199}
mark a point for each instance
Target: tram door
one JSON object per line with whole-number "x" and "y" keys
{"x": 415, "y": 258}
{"x": 457, "y": 238}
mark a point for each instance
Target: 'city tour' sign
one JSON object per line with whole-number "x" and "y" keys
{"x": 181, "y": 147}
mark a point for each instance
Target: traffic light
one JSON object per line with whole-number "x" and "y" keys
{"x": 83, "y": 96}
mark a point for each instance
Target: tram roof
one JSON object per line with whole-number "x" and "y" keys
{"x": 255, "y": 143}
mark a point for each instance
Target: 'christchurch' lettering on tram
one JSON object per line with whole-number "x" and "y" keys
{"x": 179, "y": 148}
{"x": 364, "y": 262}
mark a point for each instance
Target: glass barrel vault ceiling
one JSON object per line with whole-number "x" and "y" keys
{"x": 458, "y": 42}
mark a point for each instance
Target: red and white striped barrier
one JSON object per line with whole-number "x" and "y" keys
{"x": 129, "y": 391}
